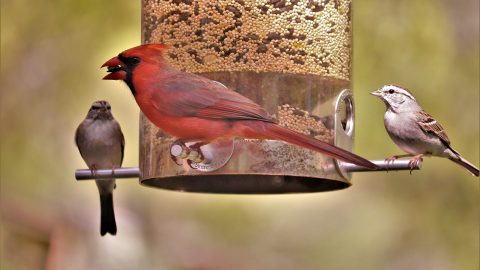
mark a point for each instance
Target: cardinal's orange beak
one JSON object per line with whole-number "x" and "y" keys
{"x": 116, "y": 69}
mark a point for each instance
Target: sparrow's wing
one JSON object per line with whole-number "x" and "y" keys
{"x": 190, "y": 95}
{"x": 430, "y": 125}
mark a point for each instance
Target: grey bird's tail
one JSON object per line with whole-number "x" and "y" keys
{"x": 107, "y": 215}
{"x": 463, "y": 162}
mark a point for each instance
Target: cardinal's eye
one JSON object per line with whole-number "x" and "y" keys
{"x": 134, "y": 60}
{"x": 391, "y": 91}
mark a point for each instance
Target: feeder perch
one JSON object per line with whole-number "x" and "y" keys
{"x": 134, "y": 172}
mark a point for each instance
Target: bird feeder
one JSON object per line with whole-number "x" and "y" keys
{"x": 292, "y": 57}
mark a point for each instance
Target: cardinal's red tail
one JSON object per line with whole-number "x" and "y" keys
{"x": 277, "y": 132}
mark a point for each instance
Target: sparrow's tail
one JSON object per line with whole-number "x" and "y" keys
{"x": 107, "y": 216}
{"x": 277, "y": 132}
{"x": 464, "y": 163}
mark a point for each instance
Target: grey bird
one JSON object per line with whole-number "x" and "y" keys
{"x": 101, "y": 144}
{"x": 414, "y": 130}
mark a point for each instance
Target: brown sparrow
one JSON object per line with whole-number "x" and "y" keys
{"x": 414, "y": 130}
{"x": 101, "y": 144}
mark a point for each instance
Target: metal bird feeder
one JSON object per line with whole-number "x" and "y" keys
{"x": 291, "y": 57}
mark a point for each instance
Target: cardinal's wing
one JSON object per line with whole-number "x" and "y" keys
{"x": 190, "y": 95}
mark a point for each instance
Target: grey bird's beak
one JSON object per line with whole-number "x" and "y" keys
{"x": 377, "y": 93}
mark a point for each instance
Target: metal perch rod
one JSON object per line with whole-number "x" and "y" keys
{"x": 397, "y": 165}
{"x": 134, "y": 172}
{"x": 127, "y": 172}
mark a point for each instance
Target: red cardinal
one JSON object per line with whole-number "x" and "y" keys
{"x": 194, "y": 108}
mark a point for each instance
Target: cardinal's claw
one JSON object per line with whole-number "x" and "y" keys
{"x": 197, "y": 157}
{"x": 175, "y": 159}
{"x": 178, "y": 150}
{"x": 196, "y": 154}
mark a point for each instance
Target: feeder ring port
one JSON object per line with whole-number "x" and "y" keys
{"x": 206, "y": 158}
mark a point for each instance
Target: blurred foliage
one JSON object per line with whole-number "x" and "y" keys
{"x": 50, "y": 57}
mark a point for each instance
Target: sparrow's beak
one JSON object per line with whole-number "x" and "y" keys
{"x": 116, "y": 69}
{"x": 377, "y": 93}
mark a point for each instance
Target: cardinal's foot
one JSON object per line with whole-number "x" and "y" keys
{"x": 178, "y": 150}
{"x": 195, "y": 154}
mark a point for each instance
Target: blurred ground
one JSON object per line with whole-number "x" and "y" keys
{"x": 50, "y": 57}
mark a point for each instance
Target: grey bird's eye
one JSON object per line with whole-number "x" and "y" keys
{"x": 391, "y": 91}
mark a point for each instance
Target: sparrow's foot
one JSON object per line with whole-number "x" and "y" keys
{"x": 391, "y": 160}
{"x": 415, "y": 161}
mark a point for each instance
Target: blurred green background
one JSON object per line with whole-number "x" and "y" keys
{"x": 51, "y": 52}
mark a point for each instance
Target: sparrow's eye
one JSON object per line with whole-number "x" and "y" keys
{"x": 391, "y": 91}
{"x": 108, "y": 107}
{"x": 94, "y": 108}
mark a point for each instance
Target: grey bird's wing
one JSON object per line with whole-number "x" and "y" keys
{"x": 79, "y": 133}
{"x": 122, "y": 140}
